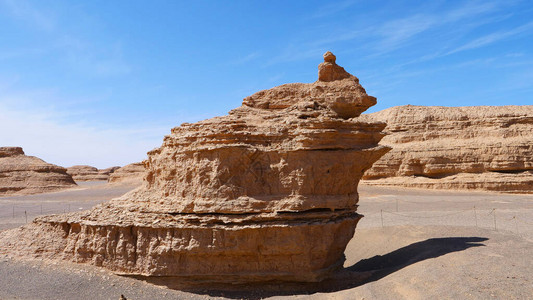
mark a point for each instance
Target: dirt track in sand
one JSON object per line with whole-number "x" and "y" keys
{"x": 429, "y": 247}
{"x": 18, "y": 210}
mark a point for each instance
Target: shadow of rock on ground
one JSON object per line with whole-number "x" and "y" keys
{"x": 383, "y": 265}
{"x": 364, "y": 271}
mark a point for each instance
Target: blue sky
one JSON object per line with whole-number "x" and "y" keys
{"x": 101, "y": 82}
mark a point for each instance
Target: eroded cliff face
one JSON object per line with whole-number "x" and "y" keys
{"x": 21, "y": 174}
{"x": 268, "y": 192}
{"x": 88, "y": 173}
{"x": 479, "y": 147}
{"x": 131, "y": 174}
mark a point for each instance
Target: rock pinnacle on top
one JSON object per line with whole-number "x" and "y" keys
{"x": 329, "y": 57}
{"x": 329, "y": 70}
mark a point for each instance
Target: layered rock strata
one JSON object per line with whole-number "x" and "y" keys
{"x": 132, "y": 173}
{"x": 88, "y": 173}
{"x": 268, "y": 192}
{"x": 478, "y": 147}
{"x": 21, "y": 174}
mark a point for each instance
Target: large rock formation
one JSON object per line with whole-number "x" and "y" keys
{"x": 21, "y": 174}
{"x": 268, "y": 192}
{"x": 88, "y": 173}
{"x": 132, "y": 173}
{"x": 479, "y": 147}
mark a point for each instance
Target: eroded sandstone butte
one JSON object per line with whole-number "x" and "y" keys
{"x": 21, "y": 174}
{"x": 132, "y": 173}
{"x": 268, "y": 192}
{"x": 478, "y": 147}
{"x": 88, "y": 173}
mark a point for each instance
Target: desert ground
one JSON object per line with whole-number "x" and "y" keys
{"x": 18, "y": 210}
{"x": 411, "y": 244}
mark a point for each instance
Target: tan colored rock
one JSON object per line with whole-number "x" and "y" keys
{"x": 329, "y": 70}
{"x": 268, "y": 192}
{"x": 478, "y": 147}
{"x": 10, "y": 151}
{"x": 21, "y": 174}
{"x": 108, "y": 171}
{"x": 338, "y": 95}
{"x": 132, "y": 173}
{"x": 88, "y": 173}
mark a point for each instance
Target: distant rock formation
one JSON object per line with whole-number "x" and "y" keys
{"x": 108, "y": 171}
{"x": 88, "y": 173}
{"x": 478, "y": 147}
{"x": 21, "y": 174}
{"x": 132, "y": 173}
{"x": 268, "y": 192}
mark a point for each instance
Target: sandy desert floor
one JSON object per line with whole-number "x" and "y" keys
{"x": 18, "y": 210}
{"x": 411, "y": 244}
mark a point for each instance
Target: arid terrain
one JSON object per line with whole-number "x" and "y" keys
{"x": 474, "y": 148}
{"x": 427, "y": 244}
{"x": 21, "y": 174}
{"x": 265, "y": 193}
{"x": 264, "y": 202}
{"x": 257, "y": 150}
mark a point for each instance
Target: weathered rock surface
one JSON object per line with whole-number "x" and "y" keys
{"x": 479, "y": 147}
{"x": 88, "y": 173}
{"x": 268, "y": 192}
{"x": 132, "y": 173}
{"x": 21, "y": 174}
{"x": 108, "y": 171}
{"x": 339, "y": 95}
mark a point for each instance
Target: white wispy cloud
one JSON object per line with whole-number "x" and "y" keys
{"x": 7, "y": 54}
{"x": 494, "y": 37}
{"x": 398, "y": 31}
{"x": 81, "y": 54}
{"x": 244, "y": 59}
{"x": 470, "y": 9}
{"x": 41, "y": 134}
{"x": 393, "y": 34}
{"x": 70, "y": 132}
{"x": 99, "y": 66}
{"x": 26, "y": 12}
{"x": 8, "y": 82}
{"x": 332, "y": 8}
{"x": 294, "y": 53}
{"x": 458, "y": 33}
